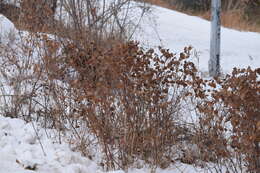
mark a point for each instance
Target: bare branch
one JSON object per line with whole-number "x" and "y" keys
{"x": 10, "y": 11}
{"x": 33, "y": 15}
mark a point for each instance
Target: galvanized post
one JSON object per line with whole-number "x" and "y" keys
{"x": 214, "y": 62}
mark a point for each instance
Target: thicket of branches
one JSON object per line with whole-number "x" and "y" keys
{"x": 133, "y": 104}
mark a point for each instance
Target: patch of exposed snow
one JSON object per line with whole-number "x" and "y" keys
{"x": 22, "y": 149}
{"x": 175, "y": 30}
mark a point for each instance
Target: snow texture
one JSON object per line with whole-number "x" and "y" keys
{"x": 21, "y": 151}
{"x": 174, "y": 30}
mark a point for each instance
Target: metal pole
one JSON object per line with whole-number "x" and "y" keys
{"x": 214, "y": 62}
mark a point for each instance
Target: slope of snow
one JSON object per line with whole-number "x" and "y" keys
{"x": 175, "y": 30}
{"x": 21, "y": 149}
{"x": 6, "y": 27}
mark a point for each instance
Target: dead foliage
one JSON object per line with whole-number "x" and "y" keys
{"x": 230, "y": 126}
{"x": 130, "y": 102}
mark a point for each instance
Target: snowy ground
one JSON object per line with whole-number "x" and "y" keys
{"x": 175, "y": 30}
{"x": 21, "y": 148}
{"x": 20, "y": 151}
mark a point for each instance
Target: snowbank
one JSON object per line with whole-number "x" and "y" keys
{"x": 22, "y": 150}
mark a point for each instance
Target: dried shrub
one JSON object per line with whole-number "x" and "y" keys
{"x": 130, "y": 99}
{"x": 231, "y": 121}
{"x": 131, "y": 103}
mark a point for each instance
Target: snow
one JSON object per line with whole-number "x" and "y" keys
{"x": 21, "y": 148}
{"x": 6, "y": 27}
{"x": 175, "y": 30}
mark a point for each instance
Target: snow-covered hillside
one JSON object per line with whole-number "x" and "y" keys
{"x": 175, "y": 30}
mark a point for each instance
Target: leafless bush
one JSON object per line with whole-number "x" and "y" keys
{"x": 101, "y": 20}
{"x": 81, "y": 22}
